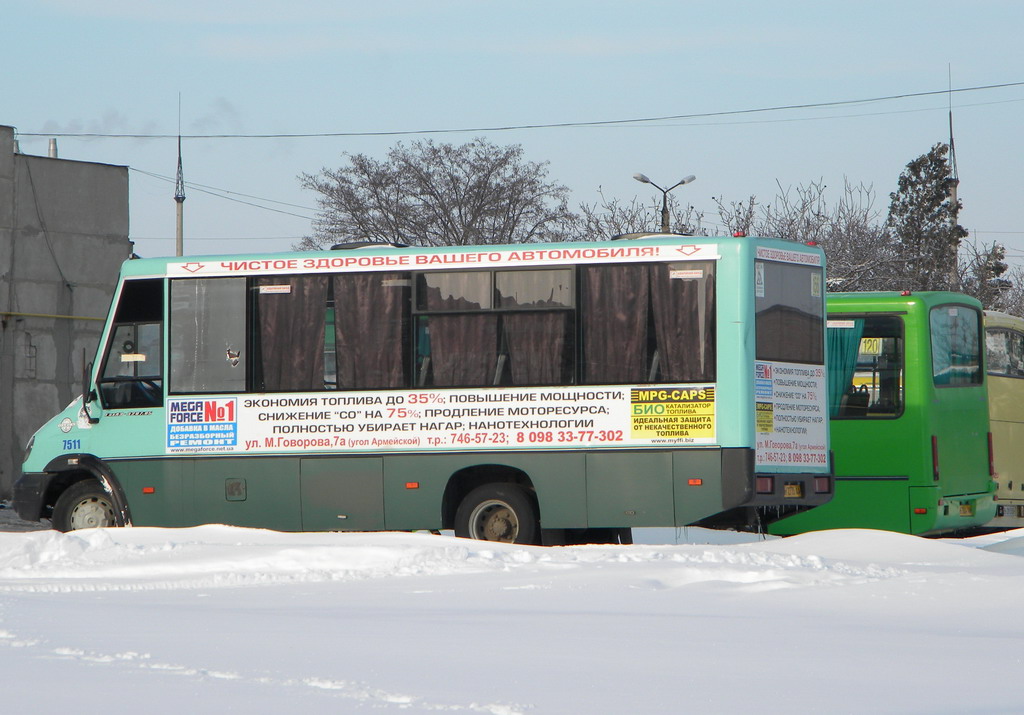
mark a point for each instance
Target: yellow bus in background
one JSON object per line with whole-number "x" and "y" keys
{"x": 1004, "y": 340}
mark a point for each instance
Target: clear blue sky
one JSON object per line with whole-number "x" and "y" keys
{"x": 335, "y": 66}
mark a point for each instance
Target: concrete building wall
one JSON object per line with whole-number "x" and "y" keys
{"x": 63, "y": 237}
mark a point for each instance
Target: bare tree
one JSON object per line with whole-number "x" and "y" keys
{"x": 438, "y": 194}
{"x": 608, "y": 218}
{"x": 919, "y": 246}
{"x": 739, "y": 217}
{"x": 851, "y": 232}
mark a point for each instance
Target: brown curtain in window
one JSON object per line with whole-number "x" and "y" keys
{"x": 464, "y": 349}
{"x": 710, "y": 372}
{"x": 290, "y": 350}
{"x": 682, "y": 318}
{"x": 536, "y": 346}
{"x": 614, "y": 308}
{"x": 371, "y": 329}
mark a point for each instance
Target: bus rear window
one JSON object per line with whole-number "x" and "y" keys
{"x": 789, "y": 307}
{"x": 956, "y": 345}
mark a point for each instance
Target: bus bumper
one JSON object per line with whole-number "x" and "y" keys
{"x": 769, "y": 498}
{"x": 805, "y": 490}
{"x": 930, "y": 516}
{"x": 30, "y": 493}
{"x": 1009, "y": 515}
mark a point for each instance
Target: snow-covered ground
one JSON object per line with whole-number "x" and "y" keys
{"x": 221, "y": 619}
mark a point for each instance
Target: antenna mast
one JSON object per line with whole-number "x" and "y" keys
{"x": 952, "y": 147}
{"x": 954, "y": 182}
{"x": 179, "y": 194}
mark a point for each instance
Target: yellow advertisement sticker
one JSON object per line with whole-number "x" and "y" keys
{"x": 764, "y": 416}
{"x": 673, "y": 413}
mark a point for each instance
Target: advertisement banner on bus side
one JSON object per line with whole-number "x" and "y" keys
{"x": 464, "y": 419}
{"x": 407, "y": 259}
{"x": 790, "y": 416}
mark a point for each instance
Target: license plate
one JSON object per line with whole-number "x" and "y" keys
{"x": 967, "y": 509}
{"x": 793, "y": 491}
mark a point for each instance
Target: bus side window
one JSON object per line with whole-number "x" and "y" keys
{"x": 683, "y": 320}
{"x": 998, "y": 347}
{"x": 613, "y": 307}
{"x": 132, "y": 371}
{"x": 132, "y": 368}
{"x": 330, "y": 349}
{"x": 289, "y": 319}
{"x": 1004, "y": 351}
{"x": 647, "y": 323}
{"x": 207, "y": 335}
{"x": 371, "y": 330}
{"x": 537, "y": 327}
{"x": 1016, "y": 361}
{"x": 866, "y": 367}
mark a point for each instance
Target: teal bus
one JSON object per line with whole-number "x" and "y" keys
{"x": 546, "y": 393}
{"x": 908, "y": 405}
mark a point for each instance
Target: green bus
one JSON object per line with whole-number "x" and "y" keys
{"x": 551, "y": 393}
{"x": 908, "y": 405}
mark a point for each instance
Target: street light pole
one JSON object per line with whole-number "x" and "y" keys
{"x": 642, "y": 178}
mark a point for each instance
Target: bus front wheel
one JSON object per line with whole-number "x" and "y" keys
{"x": 84, "y": 505}
{"x": 498, "y": 512}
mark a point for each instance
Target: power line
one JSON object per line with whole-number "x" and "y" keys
{"x": 556, "y": 125}
{"x": 226, "y": 194}
{"x": 226, "y": 191}
{"x": 837, "y": 116}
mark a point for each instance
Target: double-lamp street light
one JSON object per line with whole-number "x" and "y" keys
{"x": 664, "y": 195}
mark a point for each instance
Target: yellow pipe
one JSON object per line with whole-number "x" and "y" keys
{"x": 47, "y": 315}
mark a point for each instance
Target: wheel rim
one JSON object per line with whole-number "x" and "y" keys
{"x": 91, "y": 513}
{"x": 494, "y": 520}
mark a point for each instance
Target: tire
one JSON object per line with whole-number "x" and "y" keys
{"x": 83, "y": 505}
{"x": 498, "y": 512}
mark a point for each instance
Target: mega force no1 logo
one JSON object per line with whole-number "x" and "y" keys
{"x": 202, "y": 425}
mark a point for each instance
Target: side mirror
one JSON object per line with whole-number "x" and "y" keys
{"x": 88, "y": 395}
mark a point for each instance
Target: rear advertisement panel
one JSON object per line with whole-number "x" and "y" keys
{"x": 791, "y": 415}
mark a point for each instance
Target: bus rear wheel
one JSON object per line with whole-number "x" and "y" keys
{"x": 498, "y": 512}
{"x": 84, "y": 505}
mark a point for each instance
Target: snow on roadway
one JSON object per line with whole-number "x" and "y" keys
{"x": 223, "y": 619}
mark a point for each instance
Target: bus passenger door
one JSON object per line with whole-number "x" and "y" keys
{"x": 342, "y": 493}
